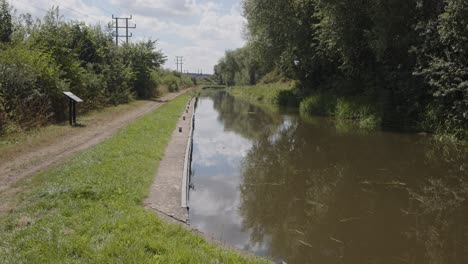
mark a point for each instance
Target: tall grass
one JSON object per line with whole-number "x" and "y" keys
{"x": 322, "y": 105}
{"x": 270, "y": 96}
{"x": 357, "y": 109}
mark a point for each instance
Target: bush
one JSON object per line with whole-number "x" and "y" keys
{"x": 274, "y": 76}
{"x": 50, "y": 56}
{"x": 30, "y": 90}
{"x": 322, "y": 105}
{"x": 286, "y": 98}
{"x": 358, "y": 109}
{"x": 448, "y": 128}
{"x": 172, "y": 82}
{"x": 186, "y": 81}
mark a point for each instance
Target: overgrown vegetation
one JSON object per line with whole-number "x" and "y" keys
{"x": 174, "y": 81}
{"x": 409, "y": 59}
{"x": 353, "y": 109}
{"x": 269, "y": 95}
{"x": 40, "y": 59}
{"x": 89, "y": 211}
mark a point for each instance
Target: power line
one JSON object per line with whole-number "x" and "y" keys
{"x": 50, "y": 8}
{"x": 105, "y": 10}
{"x": 69, "y": 8}
{"x": 25, "y": 4}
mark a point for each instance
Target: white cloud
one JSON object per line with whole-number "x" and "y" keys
{"x": 212, "y": 142}
{"x": 160, "y": 8}
{"x": 198, "y": 30}
{"x": 205, "y": 41}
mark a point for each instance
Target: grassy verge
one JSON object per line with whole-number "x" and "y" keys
{"x": 19, "y": 142}
{"x": 269, "y": 96}
{"x": 90, "y": 209}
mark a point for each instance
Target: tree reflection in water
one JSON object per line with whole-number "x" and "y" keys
{"x": 315, "y": 194}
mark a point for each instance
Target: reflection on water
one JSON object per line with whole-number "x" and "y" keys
{"x": 311, "y": 191}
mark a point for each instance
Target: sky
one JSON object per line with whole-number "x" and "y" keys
{"x": 198, "y": 30}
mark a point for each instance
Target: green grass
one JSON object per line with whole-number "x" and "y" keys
{"x": 355, "y": 109}
{"x": 318, "y": 105}
{"x": 358, "y": 110}
{"x": 269, "y": 96}
{"x": 23, "y": 141}
{"x": 90, "y": 210}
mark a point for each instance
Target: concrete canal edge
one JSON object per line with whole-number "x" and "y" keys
{"x": 188, "y": 157}
{"x": 169, "y": 192}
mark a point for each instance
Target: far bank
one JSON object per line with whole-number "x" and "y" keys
{"x": 361, "y": 112}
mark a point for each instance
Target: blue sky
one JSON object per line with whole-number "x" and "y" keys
{"x": 199, "y": 30}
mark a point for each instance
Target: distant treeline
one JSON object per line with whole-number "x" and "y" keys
{"x": 39, "y": 59}
{"x": 409, "y": 58}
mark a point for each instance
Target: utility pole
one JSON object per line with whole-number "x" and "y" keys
{"x": 116, "y": 30}
{"x": 180, "y": 60}
{"x": 126, "y": 36}
{"x": 181, "y": 64}
{"x": 127, "y": 27}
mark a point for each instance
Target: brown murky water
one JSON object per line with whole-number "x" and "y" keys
{"x": 316, "y": 191}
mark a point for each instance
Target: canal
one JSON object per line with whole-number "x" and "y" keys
{"x": 318, "y": 191}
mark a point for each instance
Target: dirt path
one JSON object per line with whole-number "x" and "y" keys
{"x": 38, "y": 159}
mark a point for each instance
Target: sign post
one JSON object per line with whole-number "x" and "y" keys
{"x": 72, "y": 100}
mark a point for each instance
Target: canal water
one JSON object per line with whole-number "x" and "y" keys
{"x": 317, "y": 191}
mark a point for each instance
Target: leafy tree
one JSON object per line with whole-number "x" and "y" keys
{"x": 49, "y": 56}
{"x": 442, "y": 61}
{"x": 240, "y": 66}
{"x": 143, "y": 59}
{"x": 6, "y": 25}
{"x": 408, "y": 56}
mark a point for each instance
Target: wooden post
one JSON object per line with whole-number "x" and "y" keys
{"x": 70, "y": 111}
{"x": 74, "y": 113}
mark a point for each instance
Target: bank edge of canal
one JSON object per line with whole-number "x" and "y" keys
{"x": 169, "y": 194}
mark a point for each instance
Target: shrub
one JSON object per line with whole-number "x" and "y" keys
{"x": 272, "y": 77}
{"x": 171, "y": 81}
{"x": 322, "y": 105}
{"x": 49, "y": 56}
{"x": 448, "y": 127}
{"x": 358, "y": 109}
{"x": 286, "y": 98}
{"x": 185, "y": 81}
{"x": 30, "y": 89}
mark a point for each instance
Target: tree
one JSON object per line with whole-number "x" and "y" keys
{"x": 51, "y": 55}
{"x": 442, "y": 61}
{"x": 6, "y": 25}
{"x": 142, "y": 58}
